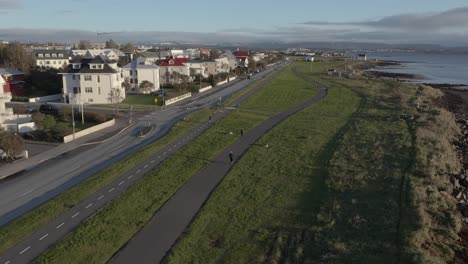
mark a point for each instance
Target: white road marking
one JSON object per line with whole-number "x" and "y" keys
{"x": 26, "y": 193}
{"x": 111, "y": 190}
{"x": 158, "y": 157}
{"x": 164, "y": 153}
{"x": 122, "y": 182}
{"x": 44, "y": 236}
{"x": 24, "y": 250}
{"x": 129, "y": 177}
{"x": 59, "y": 226}
{"x": 184, "y": 139}
{"x": 75, "y": 215}
{"x": 138, "y": 171}
{"x": 8, "y": 262}
{"x": 144, "y": 167}
{"x": 152, "y": 161}
{"x": 100, "y": 197}
{"x": 89, "y": 205}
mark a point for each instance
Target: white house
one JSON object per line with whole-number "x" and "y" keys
{"x": 92, "y": 81}
{"x": 56, "y": 59}
{"x": 171, "y": 67}
{"x": 223, "y": 65}
{"x": 140, "y": 70}
{"x": 309, "y": 58}
{"x": 8, "y": 120}
{"x": 203, "y": 67}
{"x": 107, "y": 54}
{"x": 360, "y": 57}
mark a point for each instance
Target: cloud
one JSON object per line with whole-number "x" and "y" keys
{"x": 450, "y": 19}
{"x": 10, "y": 5}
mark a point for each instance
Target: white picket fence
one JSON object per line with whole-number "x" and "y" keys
{"x": 49, "y": 98}
{"x": 178, "y": 98}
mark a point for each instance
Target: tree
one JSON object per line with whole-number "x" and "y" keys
{"x": 126, "y": 85}
{"x": 128, "y": 48}
{"x": 146, "y": 86}
{"x": 84, "y": 44}
{"x": 214, "y": 54}
{"x": 115, "y": 97}
{"x": 15, "y": 56}
{"x": 110, "y": 44}
{"x": 44, "y": 81}
{"x": 252, "y": 64}
{"x": 11, "y": 144}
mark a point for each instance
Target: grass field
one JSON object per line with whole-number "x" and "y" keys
{"x": 24, "y": 225}
{"x": 100, "y": 237}
{"x": 345, "y": 181}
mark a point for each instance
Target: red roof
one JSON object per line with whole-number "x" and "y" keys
{"x": 174, "y": 62}
{"x": 241, "y": 53}
{"x": 203, "y": 50}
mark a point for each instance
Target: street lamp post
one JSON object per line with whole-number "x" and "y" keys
{"x": 73, "y": 119}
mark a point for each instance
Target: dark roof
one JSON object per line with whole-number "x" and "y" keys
{"x": 10, "y": 71}
{"x": 84, "y": 66}
{"x": 65, "y": 53}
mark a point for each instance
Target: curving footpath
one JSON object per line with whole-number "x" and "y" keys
{"x": 49, "y": 234}
{"x": 152, "y": 243}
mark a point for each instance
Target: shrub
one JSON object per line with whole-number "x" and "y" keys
{"x": 49, "y": 122}
{"x": 95, "y": 117}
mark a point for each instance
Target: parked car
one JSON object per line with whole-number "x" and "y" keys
{"x": 49, "y": 109}
{"x": 31, "y": 110}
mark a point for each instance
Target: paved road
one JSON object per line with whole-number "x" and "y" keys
{"x": 32, "y": 188}
{"x": 151, "y": 243}
{"x": 33, "y": 245}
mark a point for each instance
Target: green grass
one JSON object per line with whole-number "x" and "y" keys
{"x": 337, "y": 185}
{"x": 13, "y": 232}
{"x": 285, "y": 90}
{"x": 139, "y": 99}
{"x": 100, "y": 237}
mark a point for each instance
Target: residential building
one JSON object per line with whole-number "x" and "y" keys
{"x": 148, "y": 58}
{"x": 309, "y": 58}
{"x": 92, "y": 80}
{"x": 223, "y": 65}
{"x": 170, "y": 68}
{"x": 360, "y": 57}
{"x": 107, "y": 54}
{"x": 203, "y": 67}
{"x": 192, "y": 54}
{"x": 56, "y": 59}
{"x": 232, "y": 60}
{"x": 140, "y": 70}
{"x": 14, "y": 81}
{"x": 258, "y": 56}
{"x": 8, "y": 120}
{"x": 204, "y": 53}
{"x": 242, "y": 58}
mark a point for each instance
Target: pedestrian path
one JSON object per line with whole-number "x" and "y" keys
{"x": 152, "y": 242}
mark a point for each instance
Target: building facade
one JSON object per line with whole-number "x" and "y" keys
{"x": 140, "y": 70}
{"x": 170, "y": 69}
{"x": 14, "y": 81}
{"x": 92, "y": 81}
{"x": 57, "y": 59}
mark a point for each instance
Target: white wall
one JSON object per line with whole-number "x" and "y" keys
{"x": 56, "y": 64}
{"x": 99, "y": 92}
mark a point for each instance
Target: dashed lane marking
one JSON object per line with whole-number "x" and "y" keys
{"x": 146, "y": 166}
{"x": 75, "y": 215}
{"x": 44, "y": 236}
{"x": 59, "y": 226}
{"x": 89, "y": 205}
{"x": 122, "y": 182}
{"x": 102, "y": 196}
{"x": 152, "y": 161}
{"x": 24, "y": 250}
{"x": 158, "y": 157}
{"x": 8, "y": 262}
{"x": 111, "y": 190}
{"x": 129, "y": 177}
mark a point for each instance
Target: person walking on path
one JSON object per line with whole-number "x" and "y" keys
{"x": 209, "y": 119}
{"x": 231, "y": 156}
{"x": 242, "y": 132}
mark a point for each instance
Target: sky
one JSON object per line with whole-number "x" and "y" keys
{"x": 396, "y": 21}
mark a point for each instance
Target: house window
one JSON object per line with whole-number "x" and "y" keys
{"x": 47, "y": 62}
{"x": 73, "y": 77}
{"x": 60, "y": 55}
{"x": 54, "y": 62}
{"x": 40, "y": 62}
{"x": 98, "y": 78}
{"x": 89, "y": 90}
{"x": 93, "y": 66}
{"x": 40, "y": 55}
{"x": 100, "y": 66}
{"x": 90, "y": 100}
{"x": 47, "y": 55}
{"x": 88, "y": 78}
{"x": 76, "y": 66}
{"x": 76, "y": 90}
{"x": 54, "y": 55}
{"x": 136, "y": 73}
{"x": 99, "y": 90}
{"x": 131, "y": 81}
{"x": 131, "y": 72}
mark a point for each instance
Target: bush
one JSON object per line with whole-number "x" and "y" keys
{"x": 95, "y": 117}
{"x": 20, "y": 99}
{"x": 49, "y": 122}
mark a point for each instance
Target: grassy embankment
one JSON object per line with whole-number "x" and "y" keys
{"x": 345, "y": 181}
{"x": 21, "y": 227}
{"x": 101, "y": 236}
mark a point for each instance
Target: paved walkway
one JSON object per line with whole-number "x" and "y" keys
{"x": 151, "y": 243}
{"x": 32, "y": 246}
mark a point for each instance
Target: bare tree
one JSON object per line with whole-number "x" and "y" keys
{"x": 84, "y": 44}
{"x": 11, "y": 144}
{"x": 114, "y": 97}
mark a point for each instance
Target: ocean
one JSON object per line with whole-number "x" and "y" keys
{"x": 436, "y": 68}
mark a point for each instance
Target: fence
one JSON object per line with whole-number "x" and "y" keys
{"x": 88, "y": 131}
{"x": 217, "y": 84}
{"x": 178, "y": 98}
{"x": 49, "y": 98}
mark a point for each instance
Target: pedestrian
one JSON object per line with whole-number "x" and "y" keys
{"x": 242, "y": 132}
{"x": 231, "y": 156}
{"x": 209, "y": 119}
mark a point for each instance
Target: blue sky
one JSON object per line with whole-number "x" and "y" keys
{"x": 244, "y": 17}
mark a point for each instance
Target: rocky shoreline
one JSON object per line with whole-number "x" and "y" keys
{"x": 456, "y": 101}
